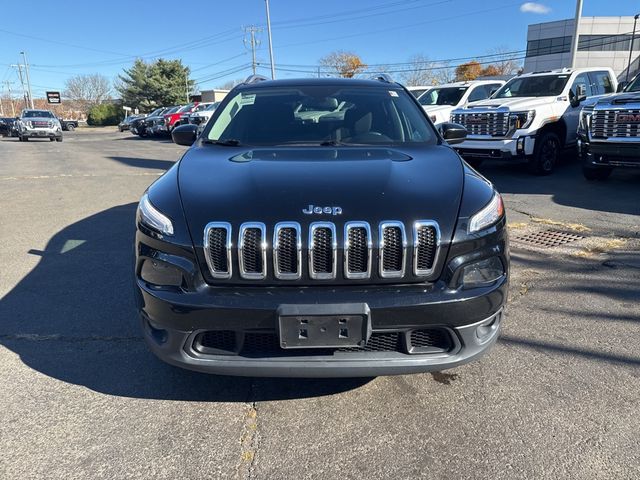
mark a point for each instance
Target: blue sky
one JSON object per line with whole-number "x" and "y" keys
{"x": 67, "y": 38}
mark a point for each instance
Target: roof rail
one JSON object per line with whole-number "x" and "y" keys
{"x": 382, "y": 77}
{"x": 255, "y": 79}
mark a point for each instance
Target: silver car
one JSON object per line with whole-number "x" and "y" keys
{"x": 39, "y": 124}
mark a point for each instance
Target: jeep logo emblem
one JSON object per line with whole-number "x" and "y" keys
{"x": 628, "y": 118}
{"x": 315, "y": 210}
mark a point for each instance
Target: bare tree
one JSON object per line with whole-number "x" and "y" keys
{"x": 420, "y": 71}
{"x": 87, "y": 90}
{"x": 228, "y": 85}
{"x": 344, "y": 64}
{"x": 504, "y": 64}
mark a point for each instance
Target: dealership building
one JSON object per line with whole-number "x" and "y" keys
{"x": 602, "y": 42}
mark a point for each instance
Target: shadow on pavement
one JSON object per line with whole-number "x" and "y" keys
{"x": 144, "y": 162}
{"x": 160, "y": 139}
{"x": 567, "y": 186}
{"x": 73, "y": 318}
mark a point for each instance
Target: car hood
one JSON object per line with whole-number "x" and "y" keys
{"x": 512, "y": 104}
{"x": 272, "y": 185}
{"x": 615, "y": 100}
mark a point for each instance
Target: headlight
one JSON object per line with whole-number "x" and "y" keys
{"x": 152, "y": 218}
{"x": 585, "y": 120}
{"x": 489, "y": 215}
{"x": 518, "y": 120}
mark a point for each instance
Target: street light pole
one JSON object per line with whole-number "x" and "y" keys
{"x": 26, "y": 69}
{"x": 574, "y": 43}
{"x": 633, "y": 37}
{"x": 273, "y": 68}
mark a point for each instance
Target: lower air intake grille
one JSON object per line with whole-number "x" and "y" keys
{"x": 430, "y": 340}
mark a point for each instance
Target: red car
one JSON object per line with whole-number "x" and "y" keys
{"x": 172, "y": 120}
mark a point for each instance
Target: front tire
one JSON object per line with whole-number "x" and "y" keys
{"x": 51, "y": 139}
{"x": 58, "y": 139}
{"x": 24, "y": 139}
{"x": 71, "y": 128}
{"x": 595, "y": 174}
{"x": 546, "y": 155}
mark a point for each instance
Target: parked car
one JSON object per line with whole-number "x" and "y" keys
{"x": 173, "y": 118}
{"x": 68, "y": 125}
{"x": 39, "y": 124}
{"x": 532, "y": 117}
{"x": 184, "y": 117}
{"x": 125, "y": 124}
{"x": 609, "y": 131}
{"x": 358, "y": 245}
{"x": 202, "y": 116}
{"x": 440, "y": 101}
{"x": 148, "y": 125}
{"x": 8, "y": 127}
{"x": 418, "y": 90}
{"x": 138, "y": 126}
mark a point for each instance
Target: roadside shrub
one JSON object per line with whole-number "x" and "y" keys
{"x": 105, "y": 114}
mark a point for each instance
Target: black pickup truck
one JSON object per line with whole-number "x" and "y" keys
{"x": 609, "y": 132}
{"x": 320, "y": 228}
{"x": 68, "y": 125}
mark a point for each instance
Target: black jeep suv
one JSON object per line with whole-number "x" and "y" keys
{"x": 320, "y": 227}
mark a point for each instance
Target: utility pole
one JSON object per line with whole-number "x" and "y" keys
{"x": 273, "y": 68}
{"x": 633, "y": 38}
{"x": 26, "y": 69}
{"x": 13, "y": 109}
{"x": 574, "y": 43}
{"x": 252, "y": 43}
{"x": 186, "y": 84}
{"x": 24, "y": 91}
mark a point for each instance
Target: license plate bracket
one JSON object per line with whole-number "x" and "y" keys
{"x": 324, "y": 326}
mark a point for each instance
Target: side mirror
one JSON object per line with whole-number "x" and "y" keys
{"x": 185, "y": 134}
{"x": 453, "y": 133}
{"x": 580, "y": 95}
{"x": 621, "y": 86}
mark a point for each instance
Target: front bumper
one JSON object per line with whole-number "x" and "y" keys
{"x": 41, "y": 133}
{"x": 516, "y": 148}
{"x": 608, "y": 154}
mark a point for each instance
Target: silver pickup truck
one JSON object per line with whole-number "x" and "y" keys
{"x": 39, "y": 124}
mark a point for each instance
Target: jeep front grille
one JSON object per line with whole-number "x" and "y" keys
{"x": 491, "y": 124}
{"x": 393, "y": 257}
{"x": 605, "y": 124}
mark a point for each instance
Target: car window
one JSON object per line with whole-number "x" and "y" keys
{"x": 478, "y": 93}
{"x": 582, "y": 79}
{"x": 534, "y": 86}
{"x": 601, "y": 83}
{"x": 442, "y": 96}
{"x": 315, "y": 114}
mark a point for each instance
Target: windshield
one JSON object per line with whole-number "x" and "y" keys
{"x": 443, "y": 96}
{"x": 315, "y": 115}
{"x": 171, "y": 110}
{"x": 634, "y": 85}
{"x": 538, "y": 86}
{"x": 186, "y": 108}
{"x": 36, "y": 113}
{"x": 416, "y": 92}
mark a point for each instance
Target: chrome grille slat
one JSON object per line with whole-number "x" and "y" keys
{"x": 392, "y": 249}
{"x": 252, "y": 251}
{"x": 323, "y": 248}
{"x": 217, "y": 248}
{"x": 287, "y": 251}
{"x": 426, "y": 243}
{"x": 358, "y": 245}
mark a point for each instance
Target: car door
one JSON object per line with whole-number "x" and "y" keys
{"x": 572, "y": 114}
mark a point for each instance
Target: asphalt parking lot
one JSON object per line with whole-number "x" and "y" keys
{"x": 83, "y": 398}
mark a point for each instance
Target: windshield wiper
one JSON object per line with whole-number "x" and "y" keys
{"x": 332, "y": 143}
{"x": 231, "y": 142}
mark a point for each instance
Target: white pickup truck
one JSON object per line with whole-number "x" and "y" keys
{"x": 532, "y": 117}
{"x": 441, "y": 100}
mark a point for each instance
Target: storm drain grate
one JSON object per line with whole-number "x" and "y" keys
{"x": 548, "y": 238}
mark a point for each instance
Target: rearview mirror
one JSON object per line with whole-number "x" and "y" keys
{"x": 453, "y": 133}
{"x": 185, "y": 134}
